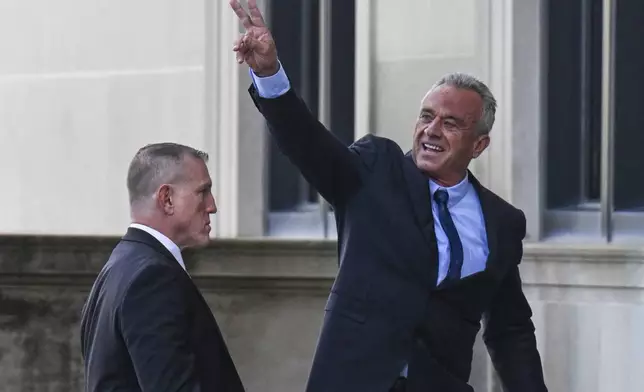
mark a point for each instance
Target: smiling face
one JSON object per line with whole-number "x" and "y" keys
{"x": 447, "y": 134}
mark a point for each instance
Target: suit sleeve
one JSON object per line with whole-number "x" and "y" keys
{"x": 154, "y": 324}
{"x": 324, "y": 161}
{"x": 509, "y": 333}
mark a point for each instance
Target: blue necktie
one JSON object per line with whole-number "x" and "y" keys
{"x": 455, "y": 246}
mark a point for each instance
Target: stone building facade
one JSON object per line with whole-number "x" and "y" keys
{"x": 85, "y": 83}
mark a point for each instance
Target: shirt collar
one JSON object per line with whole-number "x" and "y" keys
{"x": 165, "y": 241}
{"x": 456, "y": 192}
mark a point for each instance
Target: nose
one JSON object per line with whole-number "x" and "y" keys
{"x": 434, "y": 129}
{"x": 211, "y": 207}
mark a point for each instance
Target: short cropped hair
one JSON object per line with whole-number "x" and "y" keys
{"x": 468, "y": 82}
{"x": 155, "y": 165}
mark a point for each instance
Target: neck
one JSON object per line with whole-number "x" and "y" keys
{"x": 448, "y": 181}
{"x": 156, "y": 224}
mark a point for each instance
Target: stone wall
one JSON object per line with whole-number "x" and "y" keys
{"x": 85, "y": 83}
{"x": 268, "y": 297}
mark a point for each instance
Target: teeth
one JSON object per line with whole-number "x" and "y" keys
{"x": 432, "y": 147}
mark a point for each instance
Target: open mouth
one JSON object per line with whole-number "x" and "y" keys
{"x": 432, "y": 147}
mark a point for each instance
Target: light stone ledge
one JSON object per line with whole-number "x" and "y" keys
{"x": 298, "y": 264}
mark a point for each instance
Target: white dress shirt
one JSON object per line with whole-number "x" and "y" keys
{"x": 165, "y": 241}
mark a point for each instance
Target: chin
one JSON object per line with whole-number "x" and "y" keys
{"x": 198, "y": 242}
{"x": 426, "y": 168}
{"x": 201, "y": 242}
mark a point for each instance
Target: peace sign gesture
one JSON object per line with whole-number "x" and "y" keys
{"x": 256, "y": 46}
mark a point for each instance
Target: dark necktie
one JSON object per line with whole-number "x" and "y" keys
{"x": 455, "y": 246}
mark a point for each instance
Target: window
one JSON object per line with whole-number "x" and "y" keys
{"x": 300, "y": 32}
{"x": 594, "y": 76}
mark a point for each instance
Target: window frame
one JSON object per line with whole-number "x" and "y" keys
{"x": 305, "y": 217}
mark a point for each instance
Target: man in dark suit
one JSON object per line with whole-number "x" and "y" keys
{"x": 145, "y": 326}
{"x": 425, "y": 250}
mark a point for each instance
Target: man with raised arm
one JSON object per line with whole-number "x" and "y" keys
{"x": 426, "y": 252}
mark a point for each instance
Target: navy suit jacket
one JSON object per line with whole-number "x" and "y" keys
{"x": 146, "y": 327}
{"x": 385, "y": 309}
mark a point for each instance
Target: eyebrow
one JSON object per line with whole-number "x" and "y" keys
{"x": 430, "y": 111}
{"x": 205, "y": 186}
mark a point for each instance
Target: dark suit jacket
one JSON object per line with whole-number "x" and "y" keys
{"x": 146, "y": 327}
{"x": 385, "y": 309}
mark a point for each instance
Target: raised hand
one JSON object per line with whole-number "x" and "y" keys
{"x": 256, "y": 46}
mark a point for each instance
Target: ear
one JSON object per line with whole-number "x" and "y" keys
{"x": 480, "y": 145}
{"x": 164, "y": 199}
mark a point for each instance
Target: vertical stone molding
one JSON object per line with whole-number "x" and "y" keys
{"x": 235, "y": 131}
{"x": 512, "y": 165}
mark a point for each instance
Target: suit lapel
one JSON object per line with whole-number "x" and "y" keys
{"x": 418, "y": 190}
{"x": 487, "y": 200}
{"x": 140, "y": 236}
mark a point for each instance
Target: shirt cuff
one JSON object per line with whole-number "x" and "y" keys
{"x": 271, "y": 86}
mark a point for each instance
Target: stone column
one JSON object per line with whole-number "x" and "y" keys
{"x": 364, "y": 85}
{"x": 235, "y": 131}
{"x": 512, "y": 165}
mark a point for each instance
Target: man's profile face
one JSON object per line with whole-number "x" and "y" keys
{"x": 193, "y": 203}
{"x": 446, "y": 138}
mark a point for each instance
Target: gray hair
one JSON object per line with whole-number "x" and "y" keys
{"x": 468, "y": 82}
{"x": 155, "y": 165}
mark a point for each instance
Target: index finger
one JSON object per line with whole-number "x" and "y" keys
{"x": 255, "y": 14}
{"x": 241, "y": 13}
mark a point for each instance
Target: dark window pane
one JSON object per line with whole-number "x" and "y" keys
{"x": 629, "y": 115}
{"x": 291, "y": 34}
{"x": 573, "y": 106}
{"x": 343, "y": 69}
{"x": 295, "y": 26}
{"x": 591, "y": 98}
